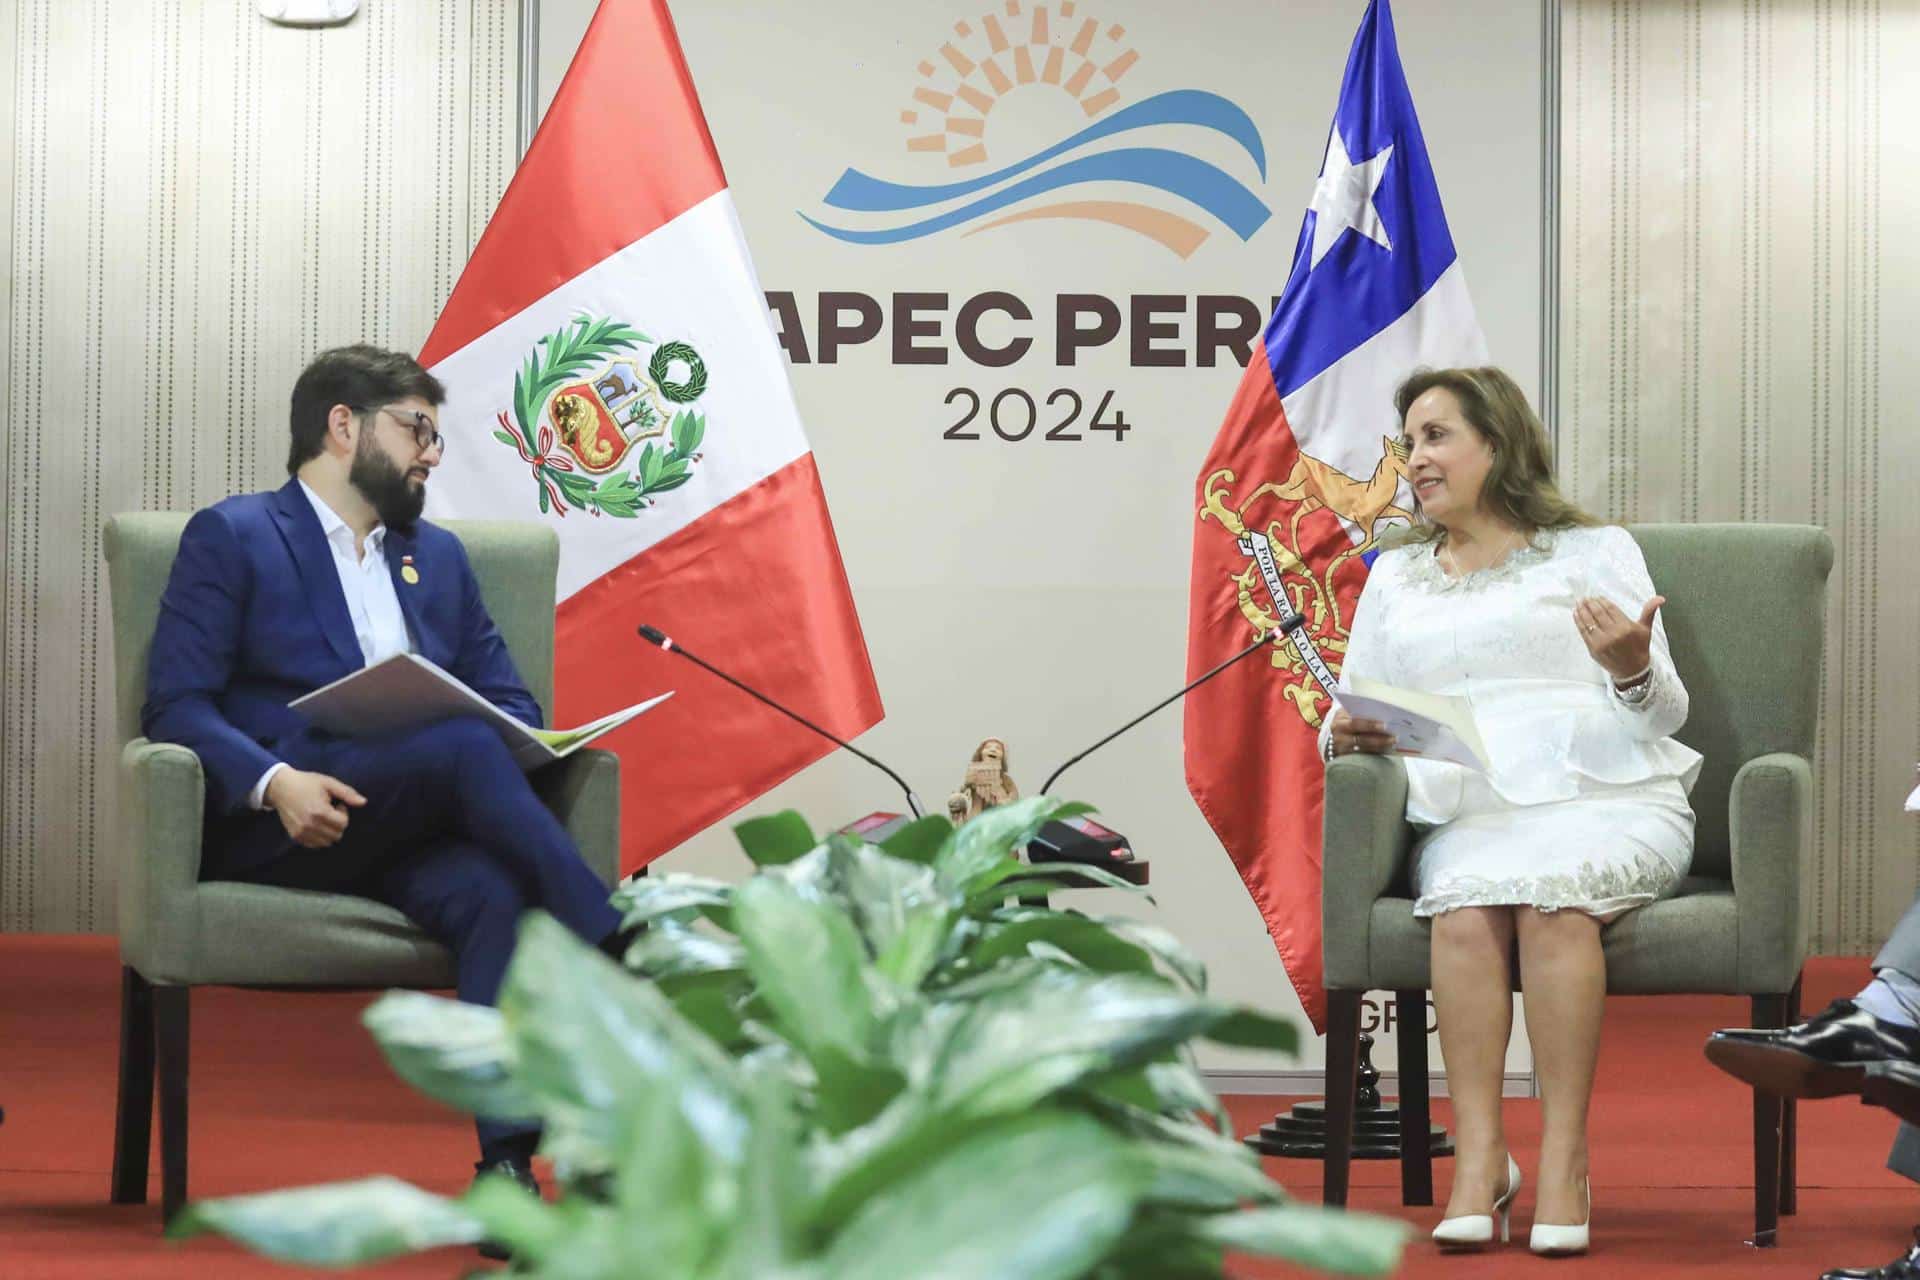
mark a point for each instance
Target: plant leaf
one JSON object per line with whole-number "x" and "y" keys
{"x": 676, "y": 951}
{"x": 674, "y": 896}
{"x": 1092, "y": 943}
{"x": 1062, "y": 877}
{"x": 514, "y": 1217}
{"x": 776, "y": 838}
{"x": 1193, "y": 1167}
{"x": 587, "y": 1037}
{"x": 809, "y": 964}
{"x": 900, "y": 908}
{"x": 1041, "y": 1196}
{"x": 342, "y": 1224}
{"x": 985, "y": 842}
{"x": 1355, "y": 1244}
{"x": 920, "y": 840}
{"x": 1166, "y": 948}
{"x": 1252, "y": 1029}
{"x": 456, "y": 1052}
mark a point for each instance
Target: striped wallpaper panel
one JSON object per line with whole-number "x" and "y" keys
{"x": 194, "y": 202}
{"x": 1729, "y": 168}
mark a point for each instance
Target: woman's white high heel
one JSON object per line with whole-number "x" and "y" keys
{"x": 1475, "y": 1230}
{"x": 1551, "y": 1240}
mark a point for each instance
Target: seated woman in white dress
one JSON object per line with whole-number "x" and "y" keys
{"x": 1512, "y": 597}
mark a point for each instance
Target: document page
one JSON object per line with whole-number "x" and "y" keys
{"x": 407, "y": 691}
{"x": 1432, "y": 725}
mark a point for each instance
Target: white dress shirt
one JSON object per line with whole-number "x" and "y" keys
{"x": 372, "y": 603}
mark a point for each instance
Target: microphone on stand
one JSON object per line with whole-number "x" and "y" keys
{"x": 660, "y": 639}
{"x": 1046, "y": 788}
{"x": 1082, "y": 840}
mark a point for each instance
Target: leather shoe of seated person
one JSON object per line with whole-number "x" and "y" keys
{"x": 1895, "y": 1086}
{"x": 1823, "y": 1057}
{"x": 521, "y": 1172}
{"x": 1904, "y": 1267}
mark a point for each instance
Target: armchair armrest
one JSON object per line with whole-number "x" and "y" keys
{"x": 162, "y": 804}
{"x": 583, "y": 790}
{"x": 1365, "y": 839}
{"x": 1770, "y": 830}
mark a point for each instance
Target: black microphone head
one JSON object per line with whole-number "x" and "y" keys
{"x": 653, "y": 635}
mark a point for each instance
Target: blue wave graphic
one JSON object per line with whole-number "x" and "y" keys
{"x": 1173, "y": 172}
{"x": 860, "y": 193}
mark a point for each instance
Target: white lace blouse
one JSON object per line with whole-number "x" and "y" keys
{"x": 1505, "y": 638}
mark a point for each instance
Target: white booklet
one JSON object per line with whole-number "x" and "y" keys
{"x": 1437, "y": 726}
{"x": 407, "y": 691}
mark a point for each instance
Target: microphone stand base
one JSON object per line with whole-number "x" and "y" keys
{"x": 1301, "y": 1133}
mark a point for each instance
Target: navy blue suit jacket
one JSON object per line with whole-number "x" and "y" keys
{"x": 253, "y": 617}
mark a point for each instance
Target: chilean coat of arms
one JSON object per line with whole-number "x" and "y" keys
{"x": 605, "y": 426}
{"x": 1279, "y": 590}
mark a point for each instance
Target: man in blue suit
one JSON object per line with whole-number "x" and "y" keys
{"x": 274, "y": 595}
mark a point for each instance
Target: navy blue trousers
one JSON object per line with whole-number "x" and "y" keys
{"x": 453, "y": 836}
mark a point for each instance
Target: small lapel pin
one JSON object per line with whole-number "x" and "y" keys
{"x": 408, "y": 574}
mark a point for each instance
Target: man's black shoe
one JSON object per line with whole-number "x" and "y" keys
{"x": 1905, "y": 1267}
{"x": 521, "y": 1172}
{"x": 1823, "y": 1057}
{"x": 1895, "y": 1086}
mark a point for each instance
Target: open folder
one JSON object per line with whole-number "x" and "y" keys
{"x": 1436, "y": 726}
{"x": 407, "y": 691}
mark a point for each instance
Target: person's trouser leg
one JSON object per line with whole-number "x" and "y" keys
{"x": 466, "y": 900}
{"x": 455, "y": 778}
{"x": 454, "y": 837}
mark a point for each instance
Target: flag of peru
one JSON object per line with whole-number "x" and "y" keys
{"x": 1308, "y": 462}
{"x": 611, "y": 370}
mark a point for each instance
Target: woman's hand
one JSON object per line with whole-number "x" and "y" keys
{"x": 1350, "y": 735}
{"x": 1618, "y": 643}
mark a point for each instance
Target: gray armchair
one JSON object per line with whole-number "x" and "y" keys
{"x": 1745, "y": 622}
{"x": 177, "y": 933}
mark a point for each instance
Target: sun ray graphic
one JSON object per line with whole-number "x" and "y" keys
{"x": 1009, "y": 49}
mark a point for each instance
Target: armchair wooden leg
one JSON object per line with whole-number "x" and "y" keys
{"x": 171, "y": 1025}
{"x": 1343, "y": 1064}
{"x": 1416, "y": 1148}
{"x": 1768, "y": 1123}
{"x": 1790, "y": 1122}
{"x": 133, "y": 1110}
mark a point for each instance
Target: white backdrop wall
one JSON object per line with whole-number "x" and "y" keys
{"x": 1034, "y": 590}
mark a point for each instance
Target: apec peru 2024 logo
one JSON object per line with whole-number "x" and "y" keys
{"x": 1030, "y": 113}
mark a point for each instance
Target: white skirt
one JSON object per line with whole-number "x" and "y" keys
{"x": 1603, "y": 852}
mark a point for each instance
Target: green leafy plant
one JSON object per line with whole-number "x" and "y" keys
{"x": 862, "y": 1062}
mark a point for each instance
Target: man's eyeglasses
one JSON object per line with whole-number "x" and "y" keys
{"x": 425, "y": 434}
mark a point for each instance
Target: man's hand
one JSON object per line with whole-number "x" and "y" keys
{"x": 312, "y": 806}
{"x": 1350, "y": 735}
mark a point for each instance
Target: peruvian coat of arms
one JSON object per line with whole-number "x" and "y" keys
{"x": 605, "y": 426}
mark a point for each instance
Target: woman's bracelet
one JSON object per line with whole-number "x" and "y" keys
{"x": 1636, "y": 686}
{"x": 1326, "y": 750}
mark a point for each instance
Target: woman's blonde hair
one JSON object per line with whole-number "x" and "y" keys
{"x": 1519, "y": 486}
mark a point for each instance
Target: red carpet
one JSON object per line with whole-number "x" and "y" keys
{"x": 288, "y": 1089}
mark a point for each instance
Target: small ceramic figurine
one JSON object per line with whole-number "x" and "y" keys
{"x": 988, "y": 783}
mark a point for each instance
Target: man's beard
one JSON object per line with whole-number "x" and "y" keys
{"x": 384, "y": 486}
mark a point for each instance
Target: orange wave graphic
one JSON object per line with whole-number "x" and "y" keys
{"x": 1169, "y": 229}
